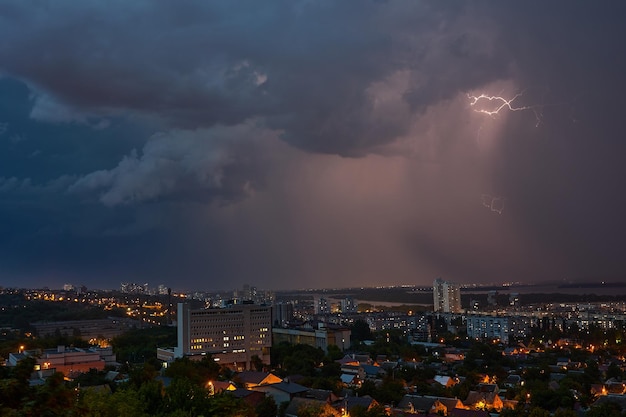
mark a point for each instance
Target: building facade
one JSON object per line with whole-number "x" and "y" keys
{"x": 232, "y": 335}
{"x": 446, "y": 296}
{"x": 70, "y": 361}
{"x": 282, "y": 314}
{"x": 504, "y": 328}
{"x": 488, "y": 327}
{"x": 321, "y": 337}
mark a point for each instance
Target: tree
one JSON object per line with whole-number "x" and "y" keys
{"x": 333, "y": 353}
{"x": 592, "y": 373}
{"x": 140, "y": 374}
{"x": 607, "y": 409}
{"x": 514, "y": 412}
{"x": 226, "y": 405}
{"x": 614, "y": 371}
{"x": 538, "y": 412}
{"x": 140, "y": 344}
{"x": 360, "y": 331}
{"x": 563, "y": 412}
{"x": 391, "y": 391}
{"x": 123, "y": 402}
{"x": 331, "y": 369}
{"x": 150, "y": 394}
{"x": 267, "y": 407}
{"x": 90, "y": 378}
{"x": 313, "y": 410}
{"x": 15, "y": 390}
{"x": 368, "y": 387}
{"x": 183, "y": 394}
{"x": 302, "y": 360}
{"x": 24, "y": 369}
{"x": 375, "y": 411}
{"x": 197, "y": 372}
{"x": 53, "y": 398}
{"x": 257, "y": 363}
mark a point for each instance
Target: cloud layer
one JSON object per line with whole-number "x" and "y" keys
{"x": 307, "y": 144}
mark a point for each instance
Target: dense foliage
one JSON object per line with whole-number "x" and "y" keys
{"x": 142, "y": 395}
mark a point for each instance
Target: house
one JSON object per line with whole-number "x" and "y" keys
{"x": 446, "y": 381}
{"x": 347, "y": 360}
{"x": 363, "y": 358}
{"x": 363, "y": 370}
{"x": 513, "y": 381}
{"x": 355, "y": 359}
{"x": 350, "y": 379}
{"x": 453, "y": 355}
{"x": 372, "y": 371}
{"x": 216, "y": 387}
{"x": 421, "y": 404}
{"x": 251, "y": 379}
{"x": 484, "y": 387}
{"x": 282, "y": 391}
{"x": 389, "y": 366}
{"x": 70, "y": 361}
{"x": 598, "y": 389}
{"x": 512, "y": 404}
{"x": 615, "y": 387}
{"x": 252, "y": 398}
{"x": 617, "y": 399}
{"x": 460, "y": 412}
{"x": 483, "y": 400}
{"x": 322, "y": 395}
{"x": 451, "y": 403}
{"x": 349, "y": 403}
{"x": 355, "y": 370}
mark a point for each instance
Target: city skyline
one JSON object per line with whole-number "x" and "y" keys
{"x": 297, "y": 144}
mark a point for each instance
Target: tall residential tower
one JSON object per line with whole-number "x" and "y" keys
{"x": 446, "y": 296}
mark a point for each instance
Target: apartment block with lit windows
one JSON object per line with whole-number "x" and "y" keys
{"x": 232, "y": 335}
{"x": 446, "y": 296}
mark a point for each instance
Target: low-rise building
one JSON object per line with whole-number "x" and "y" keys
{"x": 69, "y": 361}
{"x": 322, "y": 337}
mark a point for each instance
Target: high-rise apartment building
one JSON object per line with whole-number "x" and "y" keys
{"x": 446, "y": 296}
{"x": 232, "y": 335}
{"x": 321, "y": 306}
{"x": 282, "y": 314}
{"x": 347, "y": 305}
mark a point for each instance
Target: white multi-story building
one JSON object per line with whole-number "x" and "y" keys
{"x": 488, "y": 327}
{"x": 322, "y": 306}
{"x": 232, "y": 335}
{"x": 446, "y": 296}
{"x": 347, "y": 305}
{"x": 497, "y": 327}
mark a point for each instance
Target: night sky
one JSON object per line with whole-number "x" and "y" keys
{"x": 291, "y": 144}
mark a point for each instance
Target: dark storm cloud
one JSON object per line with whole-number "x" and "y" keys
{"x": 309, "y": 143}
{"x": 308, "y": 67}
{"x": 564, "y": 178}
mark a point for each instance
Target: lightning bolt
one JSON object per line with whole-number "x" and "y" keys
{"x": 495, "y": 204}
{"x": 492, "y": 105}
